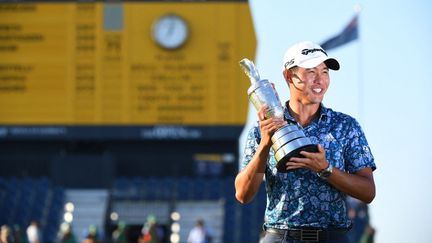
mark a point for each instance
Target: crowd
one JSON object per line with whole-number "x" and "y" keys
{"x": 17, "y": 235}
{"x": 151, "y": 232}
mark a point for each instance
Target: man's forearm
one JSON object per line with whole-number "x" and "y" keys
{"x": 360, "y": 185}
{"x": 248, "y": 181}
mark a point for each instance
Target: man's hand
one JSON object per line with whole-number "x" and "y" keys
{"x": 359, "y": 185}
{"x": 312, "y": 161}
{"x": 268, "y": 126}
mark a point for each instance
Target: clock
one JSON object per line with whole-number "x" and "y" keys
{"x": 170, "y": 31}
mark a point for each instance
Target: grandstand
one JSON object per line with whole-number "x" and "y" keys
{"x": 133, "y": 199}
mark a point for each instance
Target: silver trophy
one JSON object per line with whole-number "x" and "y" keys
{"x": 288, "y": 140}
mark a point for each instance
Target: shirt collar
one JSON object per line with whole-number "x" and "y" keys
{"x": 324, "y": 113}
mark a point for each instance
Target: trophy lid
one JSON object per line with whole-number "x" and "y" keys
{"x": 251, "y": 71}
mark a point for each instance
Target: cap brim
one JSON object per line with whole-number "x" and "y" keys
{"x": 331, "y": 63}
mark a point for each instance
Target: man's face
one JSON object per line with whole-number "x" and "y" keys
{"x": 310, "y": 84}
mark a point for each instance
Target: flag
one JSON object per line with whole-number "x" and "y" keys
{"x": 350, "y": 33}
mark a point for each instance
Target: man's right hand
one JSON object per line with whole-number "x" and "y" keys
{"x": 268, "y": 126}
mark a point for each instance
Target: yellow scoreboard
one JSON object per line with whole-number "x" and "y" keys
{"x": 124, "y": 63}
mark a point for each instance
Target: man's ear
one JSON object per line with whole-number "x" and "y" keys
{"x": 287, "y": 75}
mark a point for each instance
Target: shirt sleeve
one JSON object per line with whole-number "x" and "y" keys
{"x": 250, "y": 146}
{"x": 357, "y": 153}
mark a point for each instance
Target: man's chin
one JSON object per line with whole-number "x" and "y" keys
{"x": 315, "y": 101}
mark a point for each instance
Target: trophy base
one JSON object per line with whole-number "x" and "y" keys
{"x": 281, "y": 167}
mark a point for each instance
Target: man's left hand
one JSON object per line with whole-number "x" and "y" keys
{"x": 312, "y": 161}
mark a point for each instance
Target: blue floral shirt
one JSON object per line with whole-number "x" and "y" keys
{"x": 300, "y": 198}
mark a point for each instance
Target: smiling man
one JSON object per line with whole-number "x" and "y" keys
{"x": 307, "y": 204}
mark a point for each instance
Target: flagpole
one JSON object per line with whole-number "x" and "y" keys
{"x": 360, "y": 83}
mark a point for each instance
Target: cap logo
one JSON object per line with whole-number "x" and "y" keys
{"x": 289, "y": 63}
{"x": 307, "y": 51}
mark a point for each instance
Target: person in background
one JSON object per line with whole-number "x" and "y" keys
{"x": 199, "y": 233}
{"x": 119, "y": 235}
{"x": 92, "y": 235}
{"x": 66, "y": 234}
{"x": 6, "y": 235}
{"x": 358, "y": 212}
{"x": 308, "y": 202}
{"x": 19, "y": 235}
{"x": 34, "y": 234}
{"x": 151, "y": 233}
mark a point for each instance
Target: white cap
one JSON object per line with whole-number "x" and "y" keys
{"x": 307, "y": 55}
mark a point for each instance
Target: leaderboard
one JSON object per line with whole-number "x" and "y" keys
{"x": 140, "y": 63}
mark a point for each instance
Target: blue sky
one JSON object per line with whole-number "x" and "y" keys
{"x": 384, "y": 82}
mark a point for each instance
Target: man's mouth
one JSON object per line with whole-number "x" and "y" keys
{"x": 317, "y": 90}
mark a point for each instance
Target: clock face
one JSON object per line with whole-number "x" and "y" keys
{"x": 170, "y": 31}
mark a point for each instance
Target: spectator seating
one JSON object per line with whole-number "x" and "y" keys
{"x": 25, "y": 199}
{"x": 242, "y": 223}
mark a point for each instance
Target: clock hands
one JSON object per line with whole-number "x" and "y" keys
{"x": 170, "y": 31}
{"x": 171, "y": 26}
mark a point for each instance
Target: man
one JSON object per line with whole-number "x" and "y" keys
{"x": 199, "y": 233}
{"x": 34, "y": 232}
{"x": 307, "y": 204}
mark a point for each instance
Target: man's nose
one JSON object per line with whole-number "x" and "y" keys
{"x": 317, "y": 78}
